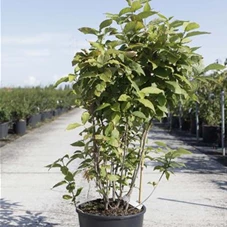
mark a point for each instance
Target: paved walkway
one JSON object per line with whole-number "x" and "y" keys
{"x": 194, "y": 197}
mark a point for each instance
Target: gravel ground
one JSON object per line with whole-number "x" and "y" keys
{"x": 195, "y": 196}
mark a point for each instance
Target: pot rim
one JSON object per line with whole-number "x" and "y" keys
{"x": 97, "y": 216}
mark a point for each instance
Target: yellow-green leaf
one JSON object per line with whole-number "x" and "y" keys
{"x": 152, "y": 90}
{"x": 85, "y": 117}
{"x": 73, "y": 126}
{"x": 147, "y": 103}
{"x": 191, "y": 26}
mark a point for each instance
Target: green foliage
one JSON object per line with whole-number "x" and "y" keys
{"x": 124, "y": 81}
{"x": 20, "y": 103}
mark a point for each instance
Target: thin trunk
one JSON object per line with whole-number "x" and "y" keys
{"x": 141, "y": 154}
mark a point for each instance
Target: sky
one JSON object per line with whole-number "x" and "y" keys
{"x": 40, "y": 37}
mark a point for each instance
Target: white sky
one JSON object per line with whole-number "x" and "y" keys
{"x": 40, "y": 37}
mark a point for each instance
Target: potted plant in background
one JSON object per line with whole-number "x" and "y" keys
{"x": 127, "y": 78}
{"x": 19, "y": 106}
{"x": 4, "y": 114}
{"x": 210, "y": 106}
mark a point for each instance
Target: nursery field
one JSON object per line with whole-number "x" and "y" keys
{"x": 26, "y": 108}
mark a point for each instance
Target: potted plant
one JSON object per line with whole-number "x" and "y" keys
{"x": 124, "y": 81}
{"x": 4, "y": 120}
{"x": 4, "y": 112}
{"x": 19, "y": 107}
{"x": 210, "y": 107}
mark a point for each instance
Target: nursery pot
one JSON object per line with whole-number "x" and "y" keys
{"x": 20, "y": 127}
{"x": 210, "y": 134}
{"x": 4, "y": 129}
{"x": 175, "y": 122}
{"x": 92, "y": 220}
{"x": 186, "y": 125}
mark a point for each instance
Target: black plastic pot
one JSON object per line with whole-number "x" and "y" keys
{"x": 175, "y": 122}
{"x": 4, "y": 127}
{"x": 91, "y": 220}
{"x": 211, "y": 134}
{"x": 186, "y": 125}
{"x": 44, "y": 116}
{"x": 33, "y": 120}
{"x": 20, "y": 127}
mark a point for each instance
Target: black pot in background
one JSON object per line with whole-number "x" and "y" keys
{"x": 44, "y": 116}
{"x": 20, "y": 127}
{"x": 193, "y": 127}
{"x": 91, "y": 220}
{"x": 211, "y": 134}
{"x": 4, "y": 127}
{"x": 186, "y": 124}
{"x": 55, "y": 113}
{"x": 34, "y": 119}
{"x": 175, "y": 122}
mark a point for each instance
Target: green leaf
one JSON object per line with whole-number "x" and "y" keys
{"x": 85, "y": 117}
{"x": 183, "y": 151}
{"x": 87, "y": 30}
{"x": 71, "y": 77}
{"x": 106, "y": 76}
{"x": 147, "y": 7}
{"x": 133, "y": 26}
{"x": 175, "y": 87}
{"x": 214, "y": 66}
{"x": 113, "y": 177}
{"x": 161, "y": 144}
{"x": 177, "y": 23}
{"x": 152, "y": 90}
{"x": 73, "y": 126}
{"x": 63, "y": 79}
{"x": 103, "y": 106}
{"x": 59, "y": 184}
{"x": 115, "y": 107}
{"x": 161, "y": 100}
{"x": 78, "y": 191}
{"x": 105, "y": 23}
{"x": 147, "y": 103}
{"x": 196, "y": 33}
{"x": 125, "y": 11}
{"x": 167, "y": 175}
{"x": 116, "y": 117}
{"x": 64, "y": 170}
{"x": 97, "y": 45}
{"x": 113, "y": 142}
{"x": 124, "y": 98}
{"x": 78, "y": 144}
{"x": 69, "y": 177}
{"x": 115, "y": 133}
{"x": 136, "y": 5}
{"x": 145, "y": 14}
{"x": 163, "y": 109}
{"x": 139, "y": 114}
{"x": 191, "y": 26}
{"x": 67, "y": 197}
{"x": 163, "y": 72}
{"x": 162, "y": 16}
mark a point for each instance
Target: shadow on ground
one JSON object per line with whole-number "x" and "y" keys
{"x": 188, "y": 139}
{"x": 9, "y": 216}
{"x": 194, "y": 204}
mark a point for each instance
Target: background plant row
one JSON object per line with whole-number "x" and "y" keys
{"x": 208, "y": 89}
{"x": 20, "y": 103}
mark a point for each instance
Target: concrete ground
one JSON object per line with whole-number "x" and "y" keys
{"x": 195, "y": 196}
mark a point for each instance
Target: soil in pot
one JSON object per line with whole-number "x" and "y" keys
{"x": 97, "y": 207}
{"x": 93, "y": 214}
